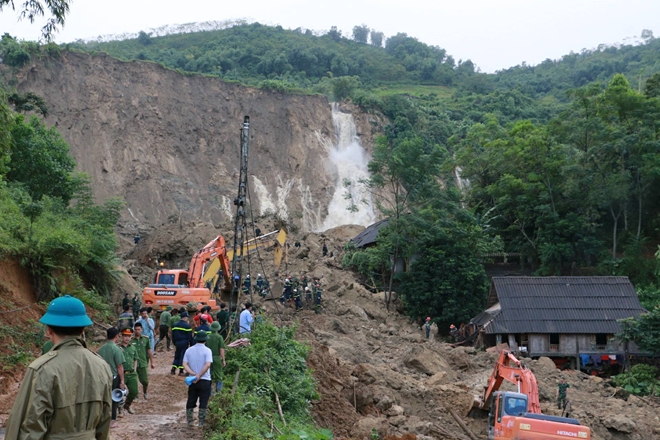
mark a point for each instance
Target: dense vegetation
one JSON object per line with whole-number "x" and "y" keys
{"x": 272, "y": 368}
{"x": 48, "y": 220}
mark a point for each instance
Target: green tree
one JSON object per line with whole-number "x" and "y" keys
{"x": 376, "y": 38}
{"x": 54, "y": 10}
{"x": 361, "y": 34}
{"x": 40, "y": 160}
{"x": 144, "y": 38}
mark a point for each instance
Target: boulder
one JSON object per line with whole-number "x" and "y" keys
{"x": 395, "y": 410}
{"x": 362, "y": 428}
{"x": 456, "y": 396}
{"x": 427, "y": 361}
{"x": 384, "y": 402}
{"x": 619, "y": 423}
{"x": 397, "y": 420}
{"x": 362, "y": 398}
{"x": 439, "y": 378}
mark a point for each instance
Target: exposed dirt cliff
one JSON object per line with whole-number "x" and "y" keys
{"x": 168, "y": 143}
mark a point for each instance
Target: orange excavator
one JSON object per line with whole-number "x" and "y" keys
{"x": 176, "y": 287}
{"x": 517, "y": 415}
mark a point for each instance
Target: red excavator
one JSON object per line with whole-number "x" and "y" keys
{"x": 517, "y": 415}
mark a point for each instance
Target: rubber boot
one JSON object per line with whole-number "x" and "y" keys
{"x": 202, "y": 417}
{"x": 189, "y": 417}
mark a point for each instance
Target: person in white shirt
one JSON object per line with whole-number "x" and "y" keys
{"x": 196, "y": 362}
{"x": 246, "y": 319}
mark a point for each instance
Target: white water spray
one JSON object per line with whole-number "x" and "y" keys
{"x": 350, "y": 161}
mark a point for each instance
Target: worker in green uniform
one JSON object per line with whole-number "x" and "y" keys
{"x": 164, "y": 327}
{"x": 562, "y": 387}
{"x": 130, "y": 368}
{"x": 137, "y": 304}
{"x": 144, "y": 357}
{"x": 217, "y": 345}
{"x": 126, "y": 301}
{"x": 113, "y": 355}
{"x": 49, "y": 404}
{"x": 223, "y": 320}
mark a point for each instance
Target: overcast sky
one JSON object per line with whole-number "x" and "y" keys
{"x": 495, "y": 34}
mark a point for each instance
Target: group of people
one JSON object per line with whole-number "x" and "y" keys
{"x": 294, "y": 289}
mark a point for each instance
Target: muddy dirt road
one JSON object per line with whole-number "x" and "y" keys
{"x": 163, "y": 416}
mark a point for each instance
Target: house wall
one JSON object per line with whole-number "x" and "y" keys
{"x": 539, "y": 344}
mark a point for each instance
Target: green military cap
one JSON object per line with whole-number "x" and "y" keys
{"x": 201, "y": 336}
{"x": 66, "y": 311}
{"x": 215, "y": 326}
{"x": 168, "y": 308}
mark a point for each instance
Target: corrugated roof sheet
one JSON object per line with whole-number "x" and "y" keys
{"x": 369, "y": 235}
{"x": 584, "y": 305}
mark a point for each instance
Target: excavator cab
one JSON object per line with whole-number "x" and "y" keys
{"x": 505, "y": 403}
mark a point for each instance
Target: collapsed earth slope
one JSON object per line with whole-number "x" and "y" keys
{"x": 376, "y": 370}
{"x": 168, "y": 143}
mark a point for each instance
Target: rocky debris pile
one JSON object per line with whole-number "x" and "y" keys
{"x": 376, "y": 370}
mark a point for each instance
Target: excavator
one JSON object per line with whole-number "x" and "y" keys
{"x": 517, "y": 415}
{"x": 176, "y": 287}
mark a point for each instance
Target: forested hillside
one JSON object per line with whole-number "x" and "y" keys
{"x": 558, "y": 161}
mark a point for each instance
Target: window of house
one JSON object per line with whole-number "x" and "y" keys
{"x": 601, "y": 339}
{"x": 554, "y": 338}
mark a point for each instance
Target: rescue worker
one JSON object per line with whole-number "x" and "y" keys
{"x": 173, "y": 320}
{"x": 246, "y": 319}
{"x": 325, "y": 250}
{"x": 203, "y": 324}
{"x": 217, "y": 345}
{"x": 308, "y": 297}
{"x": 259, "y": 285}
{"x": 164, "y": 327}
{"x": 197, "y": 361}
{"x": 182, "y": 337}
{"x": 136, "y": 306}
{"x": 126, "y": 319}
{"x": 130, "y": 368}
{"x": 113, "y": 355}
{"x": 562, "y": 388}
{"x": 453, "y": 331}
{"x": 144, "y": 357}
{"x": 246, "y": 285}
{"x": 318, "y": 292}
{"x": 297, "y": 299}
{"x": 223, "y": 320}
{"x": 427, "y": 327}
{"x": 50, "y": 405}
{"x": 125, "y": 302}
{"x": 286, "y": 294}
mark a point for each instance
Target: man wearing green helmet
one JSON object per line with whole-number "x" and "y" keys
{"x": 66, "y": 393}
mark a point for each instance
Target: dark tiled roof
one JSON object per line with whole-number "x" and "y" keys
{"x": 561, "y": 304}
{"x": 369, "y": 235}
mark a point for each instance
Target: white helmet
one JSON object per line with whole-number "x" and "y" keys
{"x": 306, "y": 288}
{"x": 258, "y": 274}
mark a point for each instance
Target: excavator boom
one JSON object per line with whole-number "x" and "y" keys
{"x": 509, "y": 368}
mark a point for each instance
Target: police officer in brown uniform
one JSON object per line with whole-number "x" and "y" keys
{"x": 66, "y": 392}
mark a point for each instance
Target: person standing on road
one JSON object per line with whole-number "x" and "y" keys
{"x": 113, "y": 355}
{"x": 562, "y": 388}
{"x": 148, "y": 326}
{"x": 182, "y": 339}
{"x": 164, "y": 327}
{"x": 197, "y": 361}
{"x": 217, "y": 345}
{"x": 223, "y": 320}
{"x": 144, "y": 357}
{"x": 136, "y": 306}
{"x": 125, "y": 302}
{"x": 130, "y": 368}
{"x": 126, "y": 319}
{"x": 51, "y": 405}
{"x": 246, "y": 319}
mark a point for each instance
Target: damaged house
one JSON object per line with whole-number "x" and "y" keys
{"x": 572, "y": 320}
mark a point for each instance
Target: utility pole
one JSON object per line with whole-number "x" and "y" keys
{"x": 240, "y": 222}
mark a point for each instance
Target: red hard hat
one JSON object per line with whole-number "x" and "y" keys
{"x": 205, "y": 317}
{"x": 452, "y": 326}
{"x": 428, "y": 319}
